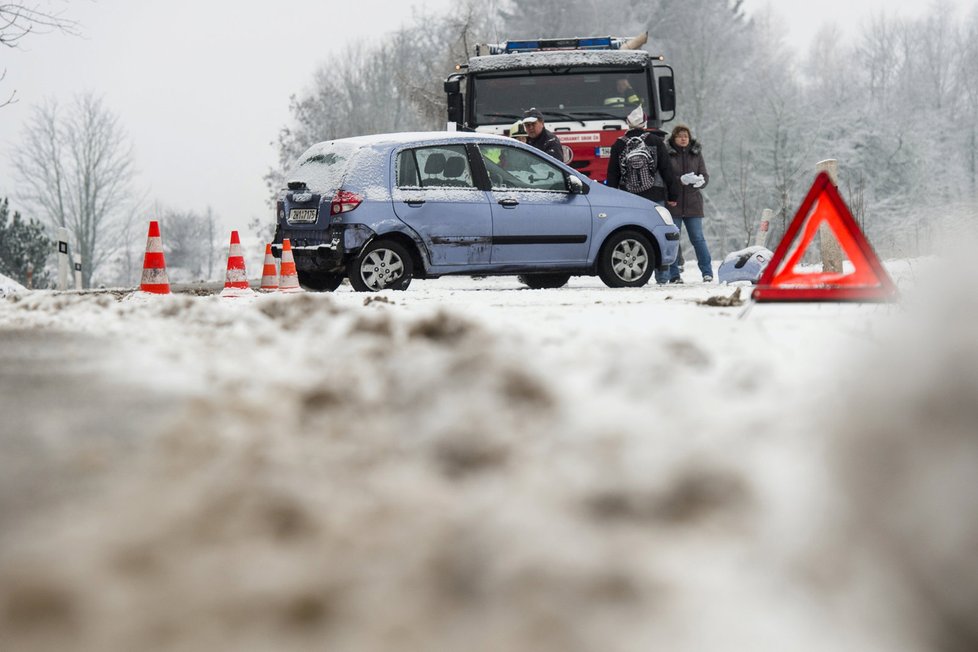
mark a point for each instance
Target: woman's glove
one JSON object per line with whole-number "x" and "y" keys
{"x": 698, "y": 183}
{"x": 688, "y": 179}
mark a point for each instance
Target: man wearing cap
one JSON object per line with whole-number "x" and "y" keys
{"x": 539, "y": 136}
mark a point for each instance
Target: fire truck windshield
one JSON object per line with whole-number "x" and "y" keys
{"x": 566, "y": 95}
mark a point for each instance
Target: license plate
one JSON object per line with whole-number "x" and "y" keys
{"x": 602, "y": 152}
{"x": 302, "y": 215}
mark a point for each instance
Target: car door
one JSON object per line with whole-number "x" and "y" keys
{"x": 434, "y": 193}
{"x": 535, "y": 218}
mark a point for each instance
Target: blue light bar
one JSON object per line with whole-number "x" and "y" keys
{"x": 515, "y": 46}
{"x": 597, "y": 42}
{"x": 589, "y": 43}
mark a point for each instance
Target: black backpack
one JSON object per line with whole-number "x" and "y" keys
{"x": 638, "y": 165}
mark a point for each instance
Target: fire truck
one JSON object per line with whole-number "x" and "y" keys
{"x": 585, "y": 88}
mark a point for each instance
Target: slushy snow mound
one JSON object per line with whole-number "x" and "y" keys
{"x": 406, "y": 473}
{"x": 9, "y": 286}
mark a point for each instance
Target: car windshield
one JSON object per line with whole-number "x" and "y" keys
{"x": 560, "y": 95}
{"x": 322, "y": 166}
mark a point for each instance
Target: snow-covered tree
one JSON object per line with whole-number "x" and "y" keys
{"x": 23, "y": 247}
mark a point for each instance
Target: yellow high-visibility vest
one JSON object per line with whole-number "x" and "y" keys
{"x": 622, "y": 101}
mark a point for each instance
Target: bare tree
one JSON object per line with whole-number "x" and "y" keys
{"x": 701, "y": 38}
{"x": 76, "y": 166}
{"x": 968, "y": 75}
{"x": 17, "y": 20}
{"x": 376, "y": 88}
{"x": 879, "y": 58}
{"x": 189, "y": 244}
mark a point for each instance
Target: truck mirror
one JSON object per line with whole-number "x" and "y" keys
{"x": 455, "y": 108}
{"x": 667, "y": 94}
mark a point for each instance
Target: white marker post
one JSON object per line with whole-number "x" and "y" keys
{"x": 63, "y": 262}
{"x": 78, "y": 270}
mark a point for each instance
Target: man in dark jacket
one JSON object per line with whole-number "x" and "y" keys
{"x": 539, "y": 136}
{"x": 666, "y": 188}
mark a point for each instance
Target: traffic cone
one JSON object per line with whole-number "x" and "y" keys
{"x": 288, "y": 280}
{"x": 269, "y": 275}
{"x": 155, "y": 280}
{"x": 236, "y": 279}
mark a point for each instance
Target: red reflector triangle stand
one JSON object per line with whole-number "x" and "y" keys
{"x": 868, "y": 281}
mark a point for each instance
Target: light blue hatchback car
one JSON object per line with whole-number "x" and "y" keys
{"x": 384, "y": 209}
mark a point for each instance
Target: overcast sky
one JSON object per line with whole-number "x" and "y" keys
{"x": 202, "y": 86}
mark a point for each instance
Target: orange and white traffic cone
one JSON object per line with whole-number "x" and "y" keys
{"x": 269, "y": 275}
{"x": 236, "y": 279}
{"x": 288, "y": 280}
{"x": 155, "y": 280}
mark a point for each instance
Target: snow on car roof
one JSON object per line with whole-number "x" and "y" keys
{"x": 558, "y": 58}
{"x": 406, "y": 138}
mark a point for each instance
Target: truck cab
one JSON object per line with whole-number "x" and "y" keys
{"x": 585, "y": 88}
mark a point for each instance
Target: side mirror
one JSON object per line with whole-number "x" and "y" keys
{"x": 456, "y": 108}
{"x": 667, "y": 94}
{"x": 576, "y": 186}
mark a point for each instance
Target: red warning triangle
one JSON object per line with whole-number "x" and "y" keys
{"x": 867, "y": 281}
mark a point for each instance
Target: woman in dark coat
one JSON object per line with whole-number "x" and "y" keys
{"x": 687, "y": 162}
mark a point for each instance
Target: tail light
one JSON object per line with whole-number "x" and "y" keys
{"x": 344, "y": 201}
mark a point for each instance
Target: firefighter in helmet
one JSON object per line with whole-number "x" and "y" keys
{"x": 623, "y": 96}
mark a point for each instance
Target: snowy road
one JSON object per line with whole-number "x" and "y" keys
{"x": 61, "y": 414}
{"x": 473, "y": 465}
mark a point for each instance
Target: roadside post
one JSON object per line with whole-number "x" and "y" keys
{"x": 63, "y": 262}
{"x": 760, "y": 238}
{"x": 828, "y": 244}
{"x": 78, "y": 270}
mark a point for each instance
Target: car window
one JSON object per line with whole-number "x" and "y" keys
{"x": 512, "y": 167}
{"x": 407, "y": 170}
{"x": 445, "y": 166}
{"x": 322, "y": 166}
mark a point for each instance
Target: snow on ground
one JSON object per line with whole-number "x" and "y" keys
{"x": 9, "y": 286}
{"x": 473, "y": 465}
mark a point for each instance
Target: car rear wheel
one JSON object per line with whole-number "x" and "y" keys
{"x": 544, "y": 281}
{"x": 320, "y": 281}
{"x": 382, "y": 265}
{"x": 627, "y": 260}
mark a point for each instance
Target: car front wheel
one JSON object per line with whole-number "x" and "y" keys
{"x": 627, "y": 260}
{"x": 382, "y": 265}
